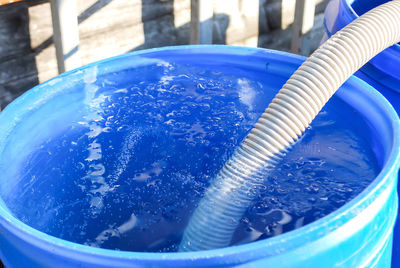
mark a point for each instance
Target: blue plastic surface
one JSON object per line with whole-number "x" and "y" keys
{"x": 382, "y": 72}
{"x": 357, "y": 234}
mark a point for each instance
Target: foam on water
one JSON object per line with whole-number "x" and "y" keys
{"x": 128, "y": 169}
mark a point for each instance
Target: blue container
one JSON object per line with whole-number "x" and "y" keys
{"x": 382, "y": 72}
{"x": 357, "y": 234}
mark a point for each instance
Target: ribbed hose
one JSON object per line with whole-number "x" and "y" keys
{"x": 283, "y": 122}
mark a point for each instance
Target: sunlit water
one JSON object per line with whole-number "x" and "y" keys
{"x": 126, "y": 168}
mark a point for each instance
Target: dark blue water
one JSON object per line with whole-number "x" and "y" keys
{"x": 120, "y": 162}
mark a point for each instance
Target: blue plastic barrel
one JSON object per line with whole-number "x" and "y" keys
{"x": 382, "y": 72}
{"x": 357, "y": 234}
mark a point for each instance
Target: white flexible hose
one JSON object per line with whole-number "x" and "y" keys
{"x": 283, "y": 122}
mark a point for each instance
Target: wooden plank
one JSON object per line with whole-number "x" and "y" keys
{"x": 194, "y": 22}
{"x": 23, "y": 2}
{"x": 303, "y": 22}
{"x": 17, "y": 61}
{"x": 201, "y": 14}
{"x": 5, "y": 2}
{"x": 65, "y": 34}
{"x": 18, "y": 74}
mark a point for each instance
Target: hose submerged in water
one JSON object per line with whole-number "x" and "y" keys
{"x": 284, "y": 121}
